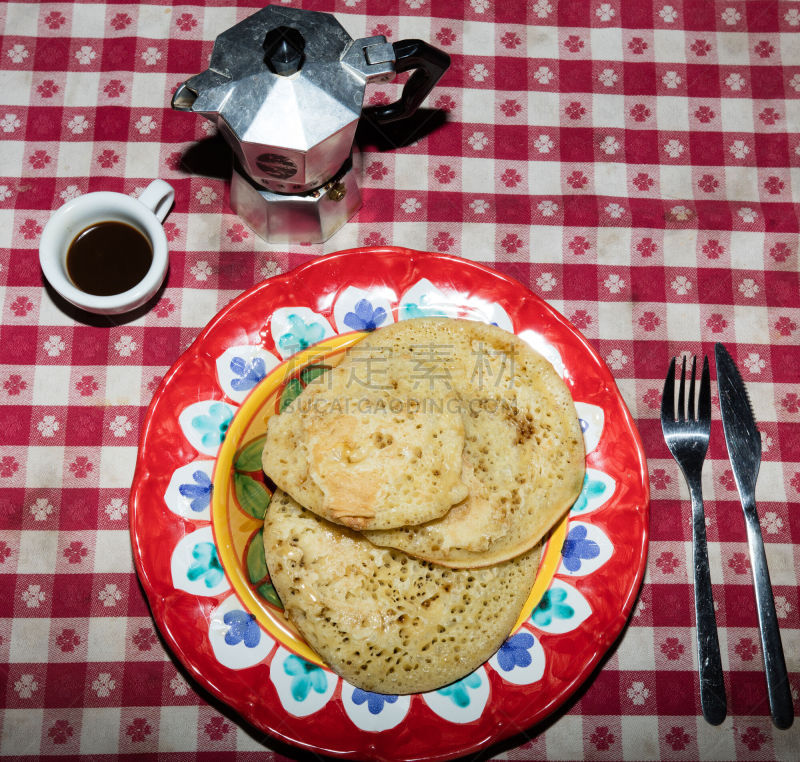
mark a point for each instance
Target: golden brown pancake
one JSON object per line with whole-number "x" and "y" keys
{"x": 523, "y": 457}
{"x": 387, "y": 622}
{"x": 364, "y": 454}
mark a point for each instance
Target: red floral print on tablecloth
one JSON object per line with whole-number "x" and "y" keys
{"x": 637, "y": 46}
{"x": 672, "y": 648}
{"x": 512, "y": 243}
{"x": 774, "y": 185}
{"x": 216, "y": 728}
{"x": 377, "y": 170}
{"x": 677, "y": 738}
{"x": 67, "y": 640}
{"x": 374, "y": 239}
{"x": 753, "y": 738}
{"x": 138, "y": 730}
{"x": 575, "y": 110}
{"x": 55, "y": 20}
{"x": 577, "y": 180}
{"x": 510, "y": 40}
{"x": 781, "y": 251}
{"x": 746, "y": 649}
{"x": 446, "y": 37}
{"x": 785, "y": 326}
{"x": 186, "y": 22}
{"x": 708, "y": 183}
{"x": 443, "y": 241}
{"x": 75, "y": 552}
{"x": 39, "y": 159}
{"x": 739, "y": 562}
{"x": 602, "y": 738}
{"x": 647, "y": 247}
{"x": 60, "y": 732}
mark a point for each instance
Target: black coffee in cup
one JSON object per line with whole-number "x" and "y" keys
{"x": 108, "y": 258}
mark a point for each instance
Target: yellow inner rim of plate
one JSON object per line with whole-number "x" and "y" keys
{"x": 234, "y": 529}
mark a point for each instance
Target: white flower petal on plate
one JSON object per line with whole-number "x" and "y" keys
{"x": 373, "y": 712}
{"x": 598, "y": 489}
{"x": 484, "y": 311}
{"x": 521, "y": 659}
{"x": 195, "y": 565}
{"x": 240, "y": 369}
{"x": 205, "y": 423}
{"x": 237, "y": 640}
{"x": 303, "y": 687}
{"x": 297, "y": 328}
{"x": 358, "y": 309}
{"x": 544, "y": 348}
{"x": 592, "y": 420}
{"x": 462, "y": 701}
{"x": 188, "y": 493}
{"x": 562, "y": 609}
{"x": 585, "y": 550}
{"x": 424, "y": 299}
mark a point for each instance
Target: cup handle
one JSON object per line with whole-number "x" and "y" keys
{"x": 158, "y": 198}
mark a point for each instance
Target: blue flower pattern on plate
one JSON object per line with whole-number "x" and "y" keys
{"x": 577, "y": 547}
{"x": 459, "y": 692}
{"x": 590, "y": 489}
{"x": 301, "y": 335}
{"x": 206, "y": 565}
{"x": 214, "y": 425}
{"x": 305, "y": 677}
{"x": 375, "y": 701}
{"x": 551, "y": 607}
{"x": 365, "y": 317}
{"x": 243, "y": 628}
{"x": 198, "y": 493}
{"x": 249, "y": 373}
{"x": 515, "y": 652}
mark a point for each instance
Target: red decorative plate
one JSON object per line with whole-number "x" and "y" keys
{"x": 198, "y": 500}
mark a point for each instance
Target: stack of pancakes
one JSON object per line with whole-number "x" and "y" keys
{"x": 416, "y": 481}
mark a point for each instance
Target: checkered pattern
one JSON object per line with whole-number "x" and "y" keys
{"x": 636, "y": 162}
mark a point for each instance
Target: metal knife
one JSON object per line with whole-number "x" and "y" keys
{"x": 744, "y": 449}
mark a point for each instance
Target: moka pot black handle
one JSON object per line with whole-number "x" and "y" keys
{"x": 428, "y": 63}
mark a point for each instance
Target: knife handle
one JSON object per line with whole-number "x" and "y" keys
{"x": 778, "y": 688}
{"x": 712, "y": 684}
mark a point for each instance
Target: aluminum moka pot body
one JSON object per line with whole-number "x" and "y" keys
{"x": 285, "y": 88}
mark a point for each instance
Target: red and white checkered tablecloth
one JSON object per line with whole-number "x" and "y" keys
{"x": 635, "y": 162}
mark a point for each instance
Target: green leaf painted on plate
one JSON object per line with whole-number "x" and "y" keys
{"x": 252, "y": 495}
{"x": 249, "y": 458}
{"x": 257, "y": 570}
{"x": 256, "y": 560}
{"x": 267, "y": 591}
{"x": 289, "y": 394}
{"x": 311, "y": 373}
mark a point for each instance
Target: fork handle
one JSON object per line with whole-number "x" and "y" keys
{"x": 712, "y": 684}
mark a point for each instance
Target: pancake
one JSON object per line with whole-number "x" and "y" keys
{"x": 364, "y": 452}
{"x": 523, "y": 457}
{"x": 384, "y": 621}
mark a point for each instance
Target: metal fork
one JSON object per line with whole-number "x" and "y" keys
{"x": 687, "y": 439}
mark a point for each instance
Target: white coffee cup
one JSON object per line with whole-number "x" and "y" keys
{"x": 145, "y": 213}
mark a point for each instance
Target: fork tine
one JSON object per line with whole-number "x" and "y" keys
{"x": 690, "y": 414}
{"x": 682, "y": 392}
{"x": 704, "y": 401}
{"x": 668, "y": 397}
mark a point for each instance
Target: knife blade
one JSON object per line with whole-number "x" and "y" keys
{"x": 743, "y": 441}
